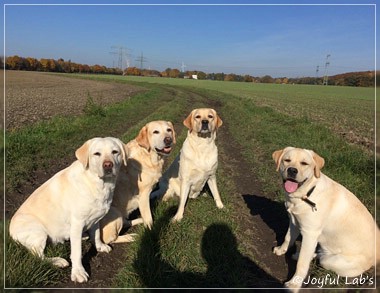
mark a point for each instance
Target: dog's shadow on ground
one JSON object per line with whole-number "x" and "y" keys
{"x": 271, "y": 212}
{"x": 274, "y": 215}
{"x": 226, "y": 266}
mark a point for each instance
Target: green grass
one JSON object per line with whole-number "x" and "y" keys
{"x": 341, "y": 109}
{"x": 35, "y": 148}
{"x": 267, "y": 117}
{"x": 39, "y": 146}
{"x": 265, "y": 130}
{"x": 255, "y": 117}
{"x": 24, "y": 270}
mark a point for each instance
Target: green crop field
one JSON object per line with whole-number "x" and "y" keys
{"x": 337, "y": 122}
{"x": 347, "y": 111}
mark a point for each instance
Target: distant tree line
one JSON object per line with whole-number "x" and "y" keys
{"x": 362, "y": 79}
{"x": 51, "y": 65}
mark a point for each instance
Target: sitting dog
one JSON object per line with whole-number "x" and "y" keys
{"x": 146, "y": 155}
{"x": 197, "y": 162}
{"x": 71, "y": 202}
{"x": 324, "y": 212}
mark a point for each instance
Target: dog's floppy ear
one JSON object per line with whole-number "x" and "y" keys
{"x": 142, "y": 138}
{"x": 174, "y": 134}
{"x": 82, "y": 154}
{"x": 188, "y": 122}
{"x": 123, "y": 149}
{"x": 319, "y": 163}
{"x": 277, "y": 156}
{"x": 219, "y": 121}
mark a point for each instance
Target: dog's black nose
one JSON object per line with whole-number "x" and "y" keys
{"x": 204, "y": 124}
{"x": 168, "y": 140}
{"x": 292, "y": 172}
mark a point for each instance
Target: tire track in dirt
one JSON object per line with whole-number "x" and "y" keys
{"x": 262, "y": 221}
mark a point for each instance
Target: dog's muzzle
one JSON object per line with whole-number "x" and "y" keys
{"x": 168, "y": 141}
{"x": 290, "y": 183}
{"x": 292, "y": 172}
{"x": 204, "y": 127}
{"x": 108, "y": 169}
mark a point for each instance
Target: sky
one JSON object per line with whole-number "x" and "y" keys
{"x": 280, "y": 40}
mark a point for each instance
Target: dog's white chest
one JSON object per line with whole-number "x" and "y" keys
{"x": 298, "y": 207}
{"x": 96, "y": 207}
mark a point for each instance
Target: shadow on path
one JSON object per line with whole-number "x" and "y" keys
{"x": 226, "y": 266}
{"x": 274, "y": 215}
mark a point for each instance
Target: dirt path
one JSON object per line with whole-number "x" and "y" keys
{"x": 262, "y": 221}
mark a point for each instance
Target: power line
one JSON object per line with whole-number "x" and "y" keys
{"x": 183, "y": 67}
{"x": 325, "y": 77}
{"x": 122, "y": 53}
{"x": 141, "y": 59}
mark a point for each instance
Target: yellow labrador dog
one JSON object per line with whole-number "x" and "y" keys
{"x": 197, "y": 162}
{"x": 324, "y": 212}
{"x": 71, "y": 202}
{"x": 146, "y": 155}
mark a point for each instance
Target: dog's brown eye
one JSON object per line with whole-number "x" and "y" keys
{"x": 210, "y": 116}
{"x": 168, "y": 130}
{"x": 287, "y": 160}
{"x": 304, "y": 164}
{"x": 198, "y": 117}
{"x": 156, "y": 132}
{"x": 97, "y": 154}
{"x": 115, "y": 152}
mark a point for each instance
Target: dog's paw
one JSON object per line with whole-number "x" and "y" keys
{"x": 294, "y": 285}
{"x": 103, "y": 248}
{"x": 126, "y": 238}
{"x": 148, "y": 225}
{"x": 177, "y": 218}
{"x": 278, "y": 250}
{"x": 79, "y": 275}
{"x": 85, "y": 236}
{"x": 166, "y": 197}
{"x": 219, "y": 205}
{"x": 59, "y": 262}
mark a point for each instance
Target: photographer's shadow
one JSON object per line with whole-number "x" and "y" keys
{"x": 226, "y": 266}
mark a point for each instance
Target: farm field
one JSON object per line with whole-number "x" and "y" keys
{"x": 347, "y": 111}
{"x": 338, "y": 123}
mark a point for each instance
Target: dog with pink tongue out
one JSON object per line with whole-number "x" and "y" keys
{"x": 325, "y": 213}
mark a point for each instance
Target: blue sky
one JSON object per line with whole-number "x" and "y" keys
{"x": 279, "y": 40}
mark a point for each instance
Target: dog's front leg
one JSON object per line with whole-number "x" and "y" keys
{"x": 78, "y": 273}
{"x": 184, "y": 193}
{"x": 144, "y": 207}
{"x": 95, "y": 238}
{"x": 308, "y": 245}
{"x": 215, "y": 192}
{"x": 290, "y": 238}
